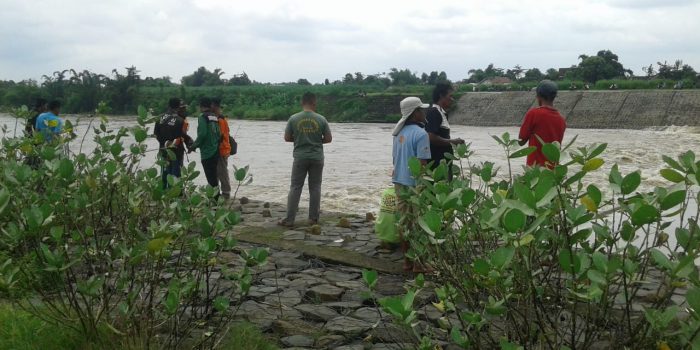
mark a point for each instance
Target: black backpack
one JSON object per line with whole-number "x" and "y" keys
{"x": 234, "y": 145}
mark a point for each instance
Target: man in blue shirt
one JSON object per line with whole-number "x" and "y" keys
{"x": 410, "y": 140}
{"x": 48, "y": 123}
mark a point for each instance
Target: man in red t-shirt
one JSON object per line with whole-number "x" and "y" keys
{"x": 543, "y": 121}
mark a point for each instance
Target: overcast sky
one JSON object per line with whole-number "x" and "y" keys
{"x": 280, "y": 40}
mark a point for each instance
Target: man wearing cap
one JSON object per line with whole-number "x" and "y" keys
{"x": 544, "y": 122}
{"x": 309, "y": 131}
{"x": 438, "y": 126}
{"x": 410, "y": 140}
{"x": 171, "y": 133}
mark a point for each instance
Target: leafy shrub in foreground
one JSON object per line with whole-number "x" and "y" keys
{"x": 104, "y": 246}
{"x": 548, "y": 260}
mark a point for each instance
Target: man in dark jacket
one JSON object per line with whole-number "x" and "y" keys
{"x": 438, "y": 127}
{"x": 171, "y": 132}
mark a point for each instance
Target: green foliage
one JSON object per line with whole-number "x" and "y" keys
{"x": 546, "y": 259}
{"x": 22, "y": 330}
{"x": 102, "y": 245}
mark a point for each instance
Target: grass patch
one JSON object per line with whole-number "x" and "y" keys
{"x": 22, "y": 330}
{"x": 245, "y": 336}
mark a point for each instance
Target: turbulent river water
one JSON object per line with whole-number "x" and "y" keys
{"x": 358, "y": 161}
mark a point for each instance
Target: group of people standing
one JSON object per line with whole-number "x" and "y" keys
{"x": 424, "y": 133}
{"x": 213, "y": 140}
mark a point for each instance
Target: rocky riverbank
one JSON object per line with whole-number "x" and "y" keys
{"x": 310, "y": 294}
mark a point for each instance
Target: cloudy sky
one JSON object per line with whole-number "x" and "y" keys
{"x": 284, "y": 40}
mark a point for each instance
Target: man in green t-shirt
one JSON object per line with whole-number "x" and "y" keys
{"x": 309, "y": 131}
{"x": 208, "y": 137}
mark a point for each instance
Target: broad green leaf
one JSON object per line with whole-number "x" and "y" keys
{"x": 693, "y": 298}
{"x": 596, "y": 277}
{"x": 142, "y": 111}
{"x": 672, "y": 163}
{"x": 140, "y": 134}
{"x": 502, "y": 256}
{"x": 661, "y": 259}
{"x": 482, "y": 267}
{"x": 514, "y": 220}
{"x": 4, "y": 200}
{"x": 569, "y": 263}
{"x": 593, "y": 164}
{"x": 545, "y": 182}
{"x": 630, "y": 182}
{"x": 673, "y": 199}
{"x": 370, "y": 278}
{"x": 525, "y": 194}
{"x": 431, "y": 222}
{"x": 672, "y": 175}
{"x": 645, "y": 214}
{"x": 615, "y": 177}
{"x": 523, "y": 152}
{"x": 589, "y": 203}
{"x": 414, "y": 166}
{"x": 595, "y": 194}
{"x": 598, "y": 150}
{"x": 116, "y": 149}
{"x": 600, "y": 261}
{"x": 221, "y": 303}
{"x": 551, "y": 152}
{"x": 526, "y": 240}
{"x": 468, "y": 197}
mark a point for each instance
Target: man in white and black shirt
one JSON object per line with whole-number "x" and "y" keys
{"x": 438, "y": 126}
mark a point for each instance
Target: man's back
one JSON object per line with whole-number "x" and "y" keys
{"x": 49, "y": 124}
{"x": 307, "y": 129}
{"x": 548, "y": 124}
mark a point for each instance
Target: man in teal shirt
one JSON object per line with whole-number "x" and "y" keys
{"x": 208, "y": 137}
{"x": 48, "y": 123}
{"x": 309, "y": 131}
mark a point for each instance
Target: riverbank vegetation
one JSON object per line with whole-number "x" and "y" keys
{"x": 343, "y": 99}
{"x": 93, "y": 248}
{"x": 549, "y": 260}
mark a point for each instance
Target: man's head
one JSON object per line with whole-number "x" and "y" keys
{"x": 442, "y": 95}
{"x": 55, "y": 107}
{"x": 41, "y": 105}
{"x": 308, "y": 101}
{"x": 205, "y": 104}
{"x": 178, "y": 105}
{"x": 216, "y": 105}
{"x": 412, "y": 109}
{"x": 546, "y": 92}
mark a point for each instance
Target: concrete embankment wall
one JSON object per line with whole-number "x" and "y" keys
{"x": 630, "y": 109}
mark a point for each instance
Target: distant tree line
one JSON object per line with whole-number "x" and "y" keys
{"x": 123, "y": 90}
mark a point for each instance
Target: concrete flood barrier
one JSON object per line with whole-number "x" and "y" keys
{"x": 629, "y": 109}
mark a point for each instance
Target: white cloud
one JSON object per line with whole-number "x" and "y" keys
{"x": 280, "y": 40}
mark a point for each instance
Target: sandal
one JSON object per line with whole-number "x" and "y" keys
{"x": 284, "y": 223}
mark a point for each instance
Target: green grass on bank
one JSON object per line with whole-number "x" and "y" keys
{"x": 21, "y": 330}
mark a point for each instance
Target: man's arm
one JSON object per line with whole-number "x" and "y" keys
{"x": 434, "y": 119}
{"x": 202, "y": 133}
{"x": 289, "y": 132}
{"x": 327, "y": 136}
{"x": 525, "y": 130}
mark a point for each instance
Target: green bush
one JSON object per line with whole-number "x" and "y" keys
{"x": 549, "y": 260}
{"x": 103, "y": 246}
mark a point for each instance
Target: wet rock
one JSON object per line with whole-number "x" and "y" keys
{"x": 391, "y": 333}
{"x": 369, "y": 217}
{"x": 317, "y": 312}
{"x": 352, "y": 285}
{"x": 291, "y": 263}
{"x": 244, "y": 200}
{"x": 298, "y": 341}
{"x": 337, "y": 276}
{"x": 347, "y": 325}
{"x": 258, "y": 292}
{"x": 329, "y": 342}
{"x": 390, "y": 285}
{"x": 303, "y": 282}
{"x": 368, "y": 314}
{"x": 392, "y": 346}
{"x": 257, "y": 314}
{"x": 289, "y": 298}
{"x": 266, "y": 205}
{"x": 325, "y": 292}
{"x": 351, "y": 347}
{"x": 344, "y": 222}
{"x": 275, "y": 282}
{"x": 266, "y": 213}
{"x": 294, "y": 327}
{"x": 293, "y": 235}
{"x": 343, "y": 306}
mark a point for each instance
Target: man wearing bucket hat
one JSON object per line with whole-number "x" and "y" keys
{"x": 410, "y": 140}
{"x": 543, "y": 122}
